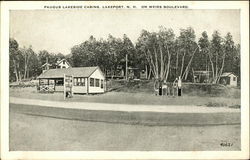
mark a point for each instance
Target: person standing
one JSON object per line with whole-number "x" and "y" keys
{"x": 175, "y": 88}
{"x": 164, "y": 88}
{"x": 179, "y": 86}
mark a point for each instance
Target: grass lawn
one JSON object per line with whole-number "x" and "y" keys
{"x": 44, "y": 133}
{"x": 122, "y": 97}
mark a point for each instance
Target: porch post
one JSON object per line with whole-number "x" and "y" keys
{"x": 87, "y": 85}
{"x": 39, "y": 84}
{"x": 72, "y": 83}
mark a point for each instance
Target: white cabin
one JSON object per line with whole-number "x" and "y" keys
{"x": 85, "y": 79}
{"x": 228, "y": 78}
{"x": 63, "y": 63}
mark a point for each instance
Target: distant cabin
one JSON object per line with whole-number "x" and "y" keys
{"x": 85, "y": 79}
{"x": 63, "y": 63}
{"x": 228, "y": 78}
{"x": 202, "y": 76}
{"x": 46, "y": 66}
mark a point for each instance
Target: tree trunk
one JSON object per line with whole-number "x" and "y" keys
{"x": 212, "y": 65}
{"x": 25, "y": 71}
{"x": 20, "y": 75}
{"x": 182, "y": 63}
{"x": 193, "y": 76}
{"x": 216, "y": 67}
{"x": 150, "y": 62}
{"x": 162, "y": 63}
{"x": 153, "y": 66}
{"x": 25, "y": 66}
{"x": 150, "y": 70}
{"x": 189, "y": 64}
{"x": 176, "y": 67}
{"x": 15, "y": 70}
{"x": 28, "y": 74}
{"x": 156, "y": 64}
{"x": 168, "y": 67}
{"x": 222, "y": 66}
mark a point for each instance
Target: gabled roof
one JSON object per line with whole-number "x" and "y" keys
{"x": 60, "y": 61}
{"x": 45, "y": 64}
{"x": 75, "y": 72}
{"x": 226, "y": 74}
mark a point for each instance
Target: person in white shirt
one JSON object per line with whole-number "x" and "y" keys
{"x": 179, "y": 86}
{"x": 164, "y": 88}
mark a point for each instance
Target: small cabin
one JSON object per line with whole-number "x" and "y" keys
{"x": 46, "y": 66}
{"x": 202, "y": 76}
{"x": 63, "y": 63}
{"x": 228, "y": 78}
{"x": 85, "y": 79}
{"x": 118, "y": 73}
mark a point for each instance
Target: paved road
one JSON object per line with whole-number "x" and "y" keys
{"x": 41, "y": 125}
{"x": 39, "y": 133}
{"x": 123, "y": 107}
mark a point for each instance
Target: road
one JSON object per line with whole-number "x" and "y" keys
{"x": 124, "y": 107}
{"x": 54, "y": 129}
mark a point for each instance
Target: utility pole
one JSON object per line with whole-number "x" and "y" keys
{"x": 47, "y": 63}
{"x": 126, "y": 67}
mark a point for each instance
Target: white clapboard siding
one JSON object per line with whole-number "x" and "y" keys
{"x": 96, "y": 75}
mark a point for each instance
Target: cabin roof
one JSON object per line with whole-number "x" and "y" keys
{"x": 75, "y": 72}
{"x": 46, "y": 64}
{"x": 226, "y": 74}
{"x": 61, "y": 60}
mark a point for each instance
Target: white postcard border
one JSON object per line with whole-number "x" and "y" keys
{"x": 244, "y": 153}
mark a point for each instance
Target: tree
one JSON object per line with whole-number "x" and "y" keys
{"x": 187, "y": 49}
{"x": 14, "y": 56}
{"x": 222, "y": 54}
{"x": 216, "y": 56}
{"x": 107, "y": 54}
{"x": 201, "y": 60}
{"x": 34, "y": 65}
{"x": 158, "y": 49}
{"x": 232, "y": 55}
{"x": 227, "y": 50}
{"x": 26, "y": 54}
{"x": 128, "y": 48}
{"x": 24, "y": 62}
{"x": 89, "y": 53}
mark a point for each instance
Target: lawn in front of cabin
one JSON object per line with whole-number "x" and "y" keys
{"x": 135, "y": 97}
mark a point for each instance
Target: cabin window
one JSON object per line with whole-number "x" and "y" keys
{"x": 83, "y": 81}
{"x": 79, "y": 81}
{"x": 51, "y": 81}
{"x": 91, "y": 82}
{"x": 97, "y": 82}
{"x": 44, "y": 81}
{"x": 101, "y": 83}
{"x": 234, "y": 78}
{"x": 59, "y": 82}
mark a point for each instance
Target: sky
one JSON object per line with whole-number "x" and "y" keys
{"x": 58, "y": 31}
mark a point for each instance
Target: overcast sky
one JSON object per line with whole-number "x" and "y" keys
{"x": 58, "y": 31}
